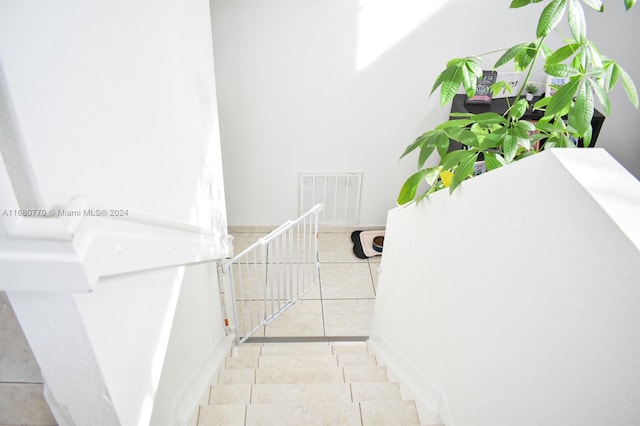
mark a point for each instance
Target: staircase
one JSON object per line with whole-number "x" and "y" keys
{"x": 283, "y": 384}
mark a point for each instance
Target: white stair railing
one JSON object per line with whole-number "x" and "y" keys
{"x": 263, "y": 281}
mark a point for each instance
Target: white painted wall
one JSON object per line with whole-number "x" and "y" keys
{"x": 197, "y": 345}
{"x": 114, "y": 100}
{"x": 326, "y": 86}
{"x": 516, "y": 300}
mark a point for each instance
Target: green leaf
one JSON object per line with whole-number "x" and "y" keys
{"x": 410, "y": 187}
{"x": 454, "y": 123}
{"x": 420, "y": 140}
{"x": 628, "y": 4}
{"x": 469, "y": 82}
{"x": 490, "y": 118}
{"x": 499, "y": 86}
{"x": 577, "y": 23}
{"x": 510, "y": 54}
{"x": 595, "y": 4}
{"x": 524, "y": 127}
{"x": 614, "y": 74}
{"x": 545, "y": 127}
{"x": 550, "y": 17}
{"x": 493, "y": 161}
{"x": 450, "y": 85}
{"x": 602, "y": 95}
{"x": 561, "y": 70}
{"x": 520, "y": 3}
{"x": 474, "y": 68}
{"x": 425, "y": 151}
{"x": 494, "y": 139}
{"x": 464, "y": 170}
{"x": 519, "y": 108}
{"x": 629, "y": 86}
{"x": 562, "y": 98}
{"x": 595, "y": 55}
{"x": 586, "y": 138}
{"x": 449, "y": 81}
{"x": 468, "y": 138}
{"x": 562, "y": 53}
{"x": 442, "y": 144}
{"x": 580, "y": 117}
{"x": 542, "y": 103}
{"x": 452, "y": 159}
{"x": 510, "y": 147}
{"x": 524, "y": 58}
{"x": 427, "y": 148}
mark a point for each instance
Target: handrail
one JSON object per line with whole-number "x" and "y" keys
{"x": 78, "y": 250}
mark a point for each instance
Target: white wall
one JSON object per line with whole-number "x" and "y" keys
{"x": 326, "y": 86}
{"x": 115, "y": 100}
{"x": 196, "y": 343}
{"x": 516, "y": 300}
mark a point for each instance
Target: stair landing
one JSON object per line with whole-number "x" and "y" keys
{"x": 284, "y": 384}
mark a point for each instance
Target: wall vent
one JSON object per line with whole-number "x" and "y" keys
{"x": 340, "y": 193}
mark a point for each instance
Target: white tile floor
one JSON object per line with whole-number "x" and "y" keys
{"x": 342, "y": 305}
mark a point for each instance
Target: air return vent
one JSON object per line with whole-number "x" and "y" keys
{"x": 340, "y": 193}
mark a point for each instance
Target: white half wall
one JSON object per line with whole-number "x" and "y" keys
{"x": 516, "y": 300}
{"x": 343, "y": 86}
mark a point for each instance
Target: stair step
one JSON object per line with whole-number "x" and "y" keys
{"x": 389, "y": 413}
{"x": 222, "y": 415}
{"x": 292, "y": 361}
{"x": 244, "y": 362}
{"x": 356, "y": 360}
{"x": 230, "y": 394}
{"x": 373, "y": 413}
{"x": 336, "y": 383}
{"x": 273, "y": 361}
{"x": 350, "y": 348}
{"x": 300, "y": 393}
{"x": 237, "y": 376}
{"x": 338, "y": 414}
{"x": 365, "y": 374}
{"x": 300, "y": 375}
{"x": 375, "y": 391}
{"x": 297, "y": 349}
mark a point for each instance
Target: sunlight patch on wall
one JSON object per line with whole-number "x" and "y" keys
{"x": 383, "y": 23}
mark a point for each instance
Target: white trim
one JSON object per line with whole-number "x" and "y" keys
{"x": 200, "y": 382}
{"x": 430, "y": 399}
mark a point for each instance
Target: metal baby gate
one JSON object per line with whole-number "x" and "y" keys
{"x": 266, "y": 279}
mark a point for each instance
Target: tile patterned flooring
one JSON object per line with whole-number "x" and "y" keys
{"x": 21, "y": 385}
{"x": 341, "y": 305}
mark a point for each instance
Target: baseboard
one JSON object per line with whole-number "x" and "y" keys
{"x": 430, "y": 399}
{"x": 192, "y": 394}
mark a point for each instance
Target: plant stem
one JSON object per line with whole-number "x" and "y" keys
{"x": 530, "y": 70}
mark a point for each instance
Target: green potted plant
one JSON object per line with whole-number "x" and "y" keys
{"x": 530, "y": 91}
{"x": 502, "y": 139}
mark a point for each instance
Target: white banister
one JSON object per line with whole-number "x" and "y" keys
{"x": 88, "y": 243}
